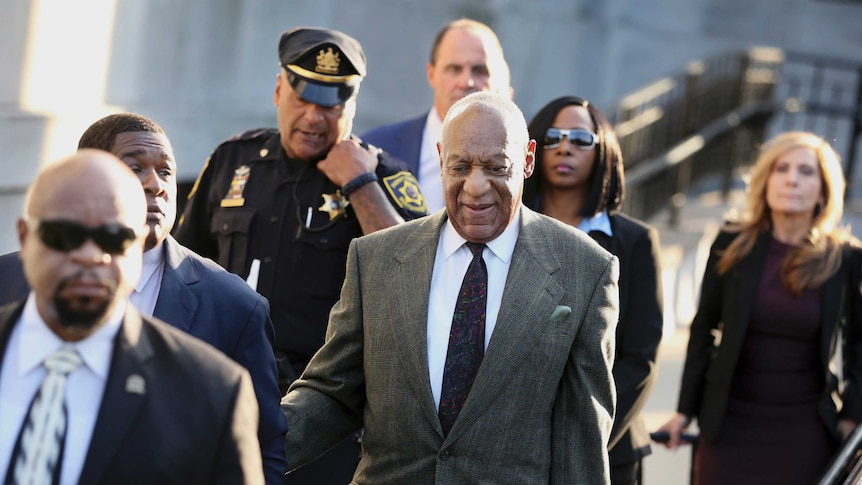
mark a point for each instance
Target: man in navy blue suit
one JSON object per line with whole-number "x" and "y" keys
{"x": 466, "y": 57}
{"x": 190, "y": 292}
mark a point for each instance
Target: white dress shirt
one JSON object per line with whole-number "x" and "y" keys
{"x": 599, "y": 222}
{"x": 22, "y": 373}
{"x": 147, "y": 290}
{"x": 429, "y": 163}
{"x": 450, "y": 266}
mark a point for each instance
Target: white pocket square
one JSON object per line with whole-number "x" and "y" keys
{"x": 560, "y": 313}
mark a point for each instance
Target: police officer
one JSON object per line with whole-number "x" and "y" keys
{"x": 280, "y": 207}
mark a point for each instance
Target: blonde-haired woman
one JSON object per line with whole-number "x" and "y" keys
{"x": 761, "y": 374}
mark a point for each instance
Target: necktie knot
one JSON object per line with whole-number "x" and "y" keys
{"x": 64, "y": 361}
{"x": 476, "y": 248}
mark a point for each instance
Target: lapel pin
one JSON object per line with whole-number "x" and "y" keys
{"x": 136, "y": 384}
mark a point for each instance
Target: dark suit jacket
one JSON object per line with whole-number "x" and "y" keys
{"x": 402, "y": 140}
{"x": 726, "y": 303}
{"x": 192, "y": 423}
{"x": 541, "y": 407}
{"x": 13, "y": 285}
{"x": 638, "y": 332}
{"x": 202, "y": 299}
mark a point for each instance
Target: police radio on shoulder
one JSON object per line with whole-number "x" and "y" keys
{"x": 361, "y": 180}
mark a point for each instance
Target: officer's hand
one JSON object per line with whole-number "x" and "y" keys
{"x": 347, "y": 160}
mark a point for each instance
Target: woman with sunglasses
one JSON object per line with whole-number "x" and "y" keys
{"x": 578, "y": 180}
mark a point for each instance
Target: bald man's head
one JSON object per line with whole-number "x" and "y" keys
{"x": 82, "y": 239}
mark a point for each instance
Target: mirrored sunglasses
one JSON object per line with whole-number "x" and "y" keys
{"x": 66, "y": 236}
{"x": 580, "y": 138}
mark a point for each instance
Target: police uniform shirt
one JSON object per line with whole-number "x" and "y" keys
{"x": 251, "y": 202}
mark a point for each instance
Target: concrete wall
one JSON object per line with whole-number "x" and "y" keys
{"x": 205, "y": 69}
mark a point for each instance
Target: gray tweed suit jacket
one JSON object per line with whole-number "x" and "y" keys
{"x": 542, "y": 405}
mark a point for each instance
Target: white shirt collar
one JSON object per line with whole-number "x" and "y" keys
{"x": 502, "y": 246}
{"x": 38, "y": 341}
{"x": 599, "y": 222}
{"x": 428, "y": 170}
{"x": 153, "y": 260}
{"x": 434, "y": 125}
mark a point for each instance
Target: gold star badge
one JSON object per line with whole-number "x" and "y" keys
{"x": 335, "y": 204}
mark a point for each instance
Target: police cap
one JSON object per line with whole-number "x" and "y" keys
{"x": 323, "y": 66}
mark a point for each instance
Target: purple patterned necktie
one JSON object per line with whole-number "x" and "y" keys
{"x": 466, "y": 339}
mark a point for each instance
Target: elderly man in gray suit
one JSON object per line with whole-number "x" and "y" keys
{"x": 498, "y": 369}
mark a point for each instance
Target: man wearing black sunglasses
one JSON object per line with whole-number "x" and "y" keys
{"x": 120, "y": 397}
{"x": 178, "y": 286}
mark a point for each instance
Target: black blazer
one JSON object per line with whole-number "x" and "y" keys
{"x": 190, "y": 418}
{"x": 638, "y": 332}
{"x": 726, "y": 304}
{"x": 13, "y": 285}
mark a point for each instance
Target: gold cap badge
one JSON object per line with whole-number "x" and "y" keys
{"x": 327, "y": 62}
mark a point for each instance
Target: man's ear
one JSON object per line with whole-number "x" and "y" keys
{"x": 440, "y": 155}
{"x": 277, "y": 92}
{"x": 530, "y": 159}
{"x": 23, "y": 231}
{"x": 429, "y": 73}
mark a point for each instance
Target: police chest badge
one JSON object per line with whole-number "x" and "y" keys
{"x": 234, "y": 196}
{"x": 404, "y": 189}
{"x": 335, "y": 204}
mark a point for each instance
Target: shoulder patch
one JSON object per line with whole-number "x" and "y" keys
{"x": 404, "y": 189}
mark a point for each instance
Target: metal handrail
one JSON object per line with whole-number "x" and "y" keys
{"x": 710, "y": 118}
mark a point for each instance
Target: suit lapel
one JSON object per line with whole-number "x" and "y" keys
{"x": 746, "y": 281}
{"x": 415, "y": 264}
{"x": 176, "y": 304}
{"x": 529, "y": 287}
{"x": 414, "y": 141}
{"x": 125, "y": 393}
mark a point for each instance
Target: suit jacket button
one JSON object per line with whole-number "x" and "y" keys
{"x": 444, "y": 455}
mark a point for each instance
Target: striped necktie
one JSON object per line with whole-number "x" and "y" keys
{"x": 37, "y": 454}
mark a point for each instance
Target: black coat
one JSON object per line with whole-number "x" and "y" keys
{"x": 638, "y": 332}
{"x": 189, "y": 419}
{"x": 726, "y": 303}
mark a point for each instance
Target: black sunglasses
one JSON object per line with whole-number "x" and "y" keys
{"x": 66, "y": 236}
{"x": 580, "y": 138}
